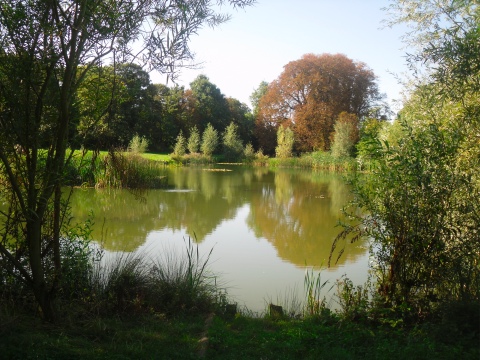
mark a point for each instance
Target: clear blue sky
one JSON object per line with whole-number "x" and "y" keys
{"x": 258, "y": 41}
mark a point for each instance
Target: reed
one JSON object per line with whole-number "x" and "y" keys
{"x": 129, "y": 171}
{"x": 315, "y": 304}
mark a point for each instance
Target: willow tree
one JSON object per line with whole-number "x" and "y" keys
{"x": 46, "y": 49}
{"x": 422, "y": 201}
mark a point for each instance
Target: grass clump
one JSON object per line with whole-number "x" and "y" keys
{"x": 129, "y": 171}
{"x": 133, "y": 170}
{"x": 317, "y": 160}
{"x": 132, "y": 283}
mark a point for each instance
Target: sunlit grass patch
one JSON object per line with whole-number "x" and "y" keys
{"x": 165, "y": 158}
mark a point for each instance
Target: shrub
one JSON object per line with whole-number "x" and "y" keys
{"x": 345, "y": 136}
{"x": 249, "y": 153}
{"x": 419, "y": 214}
{"x": 285, "y": 140}
{"x": 194, "y": 141}
{"x": 209, "y": 140}
{"x": 232, "y": 145}
{"x": 180, "y": 145}
{"x": 260, "y": 158}
{"x": 138, "y": 145}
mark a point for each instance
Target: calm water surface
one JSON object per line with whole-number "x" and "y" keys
{"x": 265, "y": 227}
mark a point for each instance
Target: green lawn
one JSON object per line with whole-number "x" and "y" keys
{"x": 157, "y": 157}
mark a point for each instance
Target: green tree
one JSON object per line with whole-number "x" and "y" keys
{"x": 232, "y": 145}
{"x": 241, "y": 115}
{"x": 194, "y": 141}
{"x": 171, "y": 115}
{"x": 371, "y": 134}
{"x": 249, "y": 152}
{"x": 257, "y": 96}
{"x": 180, "y": 145}
{"x": 135, "y": 113}
{"x": 263, "y": 131}
{"x": 285, "y": 141}
{"x": 209, "y": 140}
{"x": 207, "y": 104}
{"x": 422, "y": 201}
{"x": 345, "y": 136}
{"x": 47, "y": 48}
{"x": 138, "y": 144}
{"x": 97, "y": 96}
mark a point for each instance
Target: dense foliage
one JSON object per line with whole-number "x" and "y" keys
{"x": 310, "y": 94}
{"x": 49, "y": 51}
{"x": 422, "y": 200}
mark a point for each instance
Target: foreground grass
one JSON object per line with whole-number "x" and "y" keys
{"x": 316, "y": 338}
{"x": 159, "y": 337}
{"x": 152, "y": 337}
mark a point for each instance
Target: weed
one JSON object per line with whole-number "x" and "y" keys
{"x": 315, "y": 304}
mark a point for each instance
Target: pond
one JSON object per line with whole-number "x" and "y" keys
{"x": 265, "y": 227}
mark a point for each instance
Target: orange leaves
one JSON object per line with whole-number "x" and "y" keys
{"x": 311, "y": 93}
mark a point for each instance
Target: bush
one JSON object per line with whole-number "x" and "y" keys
{"x": 419, "y": 214}
{"x": 260, "y": 158}
{"x": 232, "y": 145}
{"x": 285, "y": 142}
{"x": 345, "y": 136}
{"x": 209, "y": 140}
{"x": 180, "y": 145}
{"x": 249, "y": 153}
{"x": 138, "y": 145}
{"x": 194, "y": 141}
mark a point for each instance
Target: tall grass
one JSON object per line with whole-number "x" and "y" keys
{"x": 129, "y": 171}
{"x": 317, "y": 160}
{"x": 315, "y": 304}
{"x": 114, "y": 169}
{"x": 133, "y": 283}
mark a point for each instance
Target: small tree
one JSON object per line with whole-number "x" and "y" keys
{"x": 346, "y": 136}
{"x": 180, "y": 147}
{"x": 232, "y": 145}
{"x": 194, "y": 141}
{"x": 138, "y": 144}
{"x": 249, "y": 152}
{"x": 285, "y": 140}
{"x": 209, "y": 140}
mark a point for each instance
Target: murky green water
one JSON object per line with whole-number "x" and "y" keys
{"x": 265, "y": 227}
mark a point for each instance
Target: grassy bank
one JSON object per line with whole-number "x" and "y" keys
{"x": 241, "y": 337}
{"x": 144, "y": 170}
{"x": 118, "y": 170}
{"x": 135, "y": 307}
{"x": 316, "y": 160}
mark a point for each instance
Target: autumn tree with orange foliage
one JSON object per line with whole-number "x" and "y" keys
{"x": 311, "y": 93}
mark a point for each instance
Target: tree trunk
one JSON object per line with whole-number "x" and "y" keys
{"x": 40, "y": 286}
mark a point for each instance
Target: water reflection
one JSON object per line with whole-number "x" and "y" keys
{"x": 296, "y": 211}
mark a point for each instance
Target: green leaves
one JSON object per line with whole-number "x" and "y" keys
{"x": 209, "y": 140}
{"x": 232, "y": 145}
